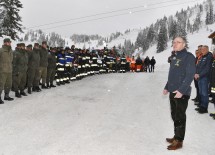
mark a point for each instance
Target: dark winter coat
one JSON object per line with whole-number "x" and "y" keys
{"x": 34, "y": 59}
{"x": 6, "y": 58}
{"x": 152, "y": 62}
{"x": 204, "y": 66}
{"x": 181, "y": 73}
{"x": 147, "y": 61}
{"x": 20, "y": 61}
{"x": 43, "y": 57}
{"x": 213, "y": 77}
{"x": 139, "y": 61}
{"x": 52, "y": 60}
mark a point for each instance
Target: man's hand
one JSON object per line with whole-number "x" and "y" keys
{"x": 178, "y": 94}
{"x": 196, "y": 76}
{"x": 165, "y": 92}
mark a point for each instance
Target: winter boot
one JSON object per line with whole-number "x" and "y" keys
{"x": 1, "y": 102}
{"x": 17, "y": 94}
{"x": 51, "y": 85}
{"x": 175, "y": 145}
{"x": 44, "y": 87}
{"x": 23, "y": 93}
{"x": 38, "y": 89}
{"x": 170, "y": 140}
{"x": 48, "y": 86}
{"x": 29, "y": 90}
{"x": 7, "y": 97}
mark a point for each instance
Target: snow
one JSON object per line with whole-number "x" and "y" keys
{"x": 112, "y": 114}
{"x": 105, "y": 114}
{"x": 195, "y": 39}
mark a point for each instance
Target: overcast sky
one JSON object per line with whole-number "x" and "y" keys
{"x": 39, "y": 12}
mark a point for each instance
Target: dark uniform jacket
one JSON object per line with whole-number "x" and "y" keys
{"x": 6, "y": 58}
{"x": 20, "y": 61}
{"x": 52, "y": 60}
{"x": 43, "y": 57}
{"x": 34, "y": 59}
{"x": 181, "y": 73}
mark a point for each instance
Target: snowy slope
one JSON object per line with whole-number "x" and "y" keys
{"x": 195, "y": 39}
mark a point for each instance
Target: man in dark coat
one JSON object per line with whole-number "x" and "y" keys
{"x": 203, "y": 72}
{"x": 181, "y": 73}
{"x": 152, "y": 63}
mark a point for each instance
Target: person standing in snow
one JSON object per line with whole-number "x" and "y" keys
{"x": 181, "y": 73}
{"x": 152, "y": 63}
{"x": 6, "y": 58}
{"x": 203, "y": 72}
{"x": 147, "y": 64}
{"x": 198, "y": 57}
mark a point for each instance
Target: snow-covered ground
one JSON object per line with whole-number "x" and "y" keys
{"x": 114, "y": 114}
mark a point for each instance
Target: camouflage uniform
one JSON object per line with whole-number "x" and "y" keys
{"x": 33, "y": 69}
{"x": 20, "y": 66}
{"x": 43, "y": 66}
{"x": 51, "y": 70}
{"x": 6, "y": 58}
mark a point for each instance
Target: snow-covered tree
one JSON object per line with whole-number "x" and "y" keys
{"x": 162, "y": 37}
{"x": 9, "y": 18}
{"x": 210, "y": 14}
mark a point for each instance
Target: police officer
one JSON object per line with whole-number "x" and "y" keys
{"x": 6, "y": 58}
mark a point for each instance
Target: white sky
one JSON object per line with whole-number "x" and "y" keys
{"x": 38, "y": 12}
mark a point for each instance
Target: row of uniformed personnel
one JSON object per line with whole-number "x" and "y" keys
{"x": 26, "y": 66}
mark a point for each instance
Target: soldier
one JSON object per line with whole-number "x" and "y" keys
{"x": 51, "y": 69}
{"x": 6, "y": 58}
{"x": 43, "y": 64}
{"x": 33, "y": 69}
{"x": 20, "y": 66}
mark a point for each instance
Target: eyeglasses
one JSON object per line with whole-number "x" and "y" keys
{"x": 177, "y": 42}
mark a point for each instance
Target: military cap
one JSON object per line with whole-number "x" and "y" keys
{"x": 18, "y": 45}
{"x": 44, "y": 42}
{"x": 6, "y": 40}
{"x": 36, "y": 44}
{"x": 29, "y": 46}
{"x": 22, "y": 44}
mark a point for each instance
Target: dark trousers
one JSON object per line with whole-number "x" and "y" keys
{"x": 152, "y": 68}
{"x": 19, "y": 81}
{"x": 50, "y": 75}
{"x": 178, "y": 112}
{"x": 5, "y": 82}
{"x": 197, "y": 89}
{"x": 203, "y": 92}
{"x": 148, "y": 68}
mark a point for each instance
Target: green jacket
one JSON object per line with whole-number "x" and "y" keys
{"x": 6, "y": 58}
{"x": 43, "y": 57}
{"x": 20, "y": 61}
{"x": 52, "y": 60}
{"x": 34, "y": 59}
